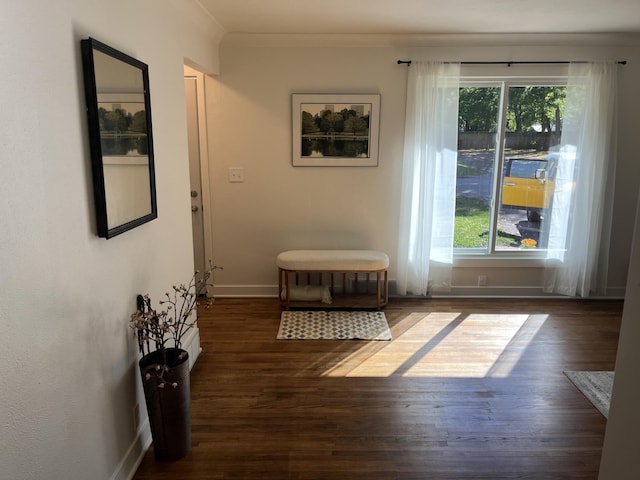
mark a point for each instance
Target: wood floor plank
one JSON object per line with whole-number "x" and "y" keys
{"x": 467, "y": 389}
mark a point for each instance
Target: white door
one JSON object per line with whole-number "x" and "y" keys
{"x": 193, "y": 131}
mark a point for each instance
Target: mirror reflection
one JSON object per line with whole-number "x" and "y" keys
{"x": 120, "y": 129}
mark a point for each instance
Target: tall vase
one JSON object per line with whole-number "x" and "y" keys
{"x": 168, "y": 403}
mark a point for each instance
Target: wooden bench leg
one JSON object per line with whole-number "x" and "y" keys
{"x": 386, "y": 287}
{"x": 283, "y": 281}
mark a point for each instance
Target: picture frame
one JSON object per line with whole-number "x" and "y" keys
{"x": 120, "y": 137}
{"x": 335, "y": 130}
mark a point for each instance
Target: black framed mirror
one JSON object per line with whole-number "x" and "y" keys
{"x": 119, "y": 115}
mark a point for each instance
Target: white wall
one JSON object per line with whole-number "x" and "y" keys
{"x": 280, "y": 207}
{"x": 68, "y": 379}
{"x": 620, "y": 449}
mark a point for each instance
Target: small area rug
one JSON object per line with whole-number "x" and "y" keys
{"x": 596, "y": 386}
{"x": 333, "y": 325}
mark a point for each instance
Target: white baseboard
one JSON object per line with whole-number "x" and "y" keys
{"x": 132, "y": 459}
{"x": 191, "y": 343}
{"x": 245, "y": 291}
{"x": 271, "y": 291}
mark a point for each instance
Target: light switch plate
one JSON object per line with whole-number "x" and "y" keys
{"x": 236, "y": 175}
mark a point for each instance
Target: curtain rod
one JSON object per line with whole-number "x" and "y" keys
{"x": 408, "y": 63}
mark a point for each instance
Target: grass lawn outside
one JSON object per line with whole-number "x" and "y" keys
{"x": 472, "y": 225}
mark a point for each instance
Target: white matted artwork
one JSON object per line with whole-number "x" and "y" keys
{"x": 335, "y": 130}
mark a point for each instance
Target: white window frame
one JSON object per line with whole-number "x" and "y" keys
{"x": 469, "y": 257}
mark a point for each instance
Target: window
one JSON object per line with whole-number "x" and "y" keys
{"x": 509, "y": 133}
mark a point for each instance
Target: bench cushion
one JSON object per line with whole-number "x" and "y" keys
{"x": 333, "y": 260}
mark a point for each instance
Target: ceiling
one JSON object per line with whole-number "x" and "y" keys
{"x": 425, "y": 16}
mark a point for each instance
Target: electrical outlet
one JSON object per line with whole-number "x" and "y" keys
{"x": 236, "y": 175}
{"x": 482, "y": 280}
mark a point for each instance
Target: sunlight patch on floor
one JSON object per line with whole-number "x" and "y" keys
{"x": 446, "y": 344}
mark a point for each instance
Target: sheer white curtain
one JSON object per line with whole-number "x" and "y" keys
{"x": 580, "y": 214}
{"x": 427, "y": 211}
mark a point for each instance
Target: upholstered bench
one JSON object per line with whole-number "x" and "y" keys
{"x": 330, "y": 262}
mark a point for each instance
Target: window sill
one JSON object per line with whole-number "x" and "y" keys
{"x": 500, "y": 261}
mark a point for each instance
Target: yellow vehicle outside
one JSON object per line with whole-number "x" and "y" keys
{"x": 529, "y": 184}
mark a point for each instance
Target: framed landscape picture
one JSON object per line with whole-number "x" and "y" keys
{"x": 335, "y": 130}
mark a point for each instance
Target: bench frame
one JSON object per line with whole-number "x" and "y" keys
{"x": 382, "y": 283}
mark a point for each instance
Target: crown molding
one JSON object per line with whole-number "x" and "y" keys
{"x": 430, "y": 40}
{"x": 194, "y": 12}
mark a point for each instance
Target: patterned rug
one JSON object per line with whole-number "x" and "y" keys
{"x": 596, "y": 386}
{"x": 333, "y": 325}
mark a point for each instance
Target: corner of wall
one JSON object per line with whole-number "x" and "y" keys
{"x": 195, "y": 14}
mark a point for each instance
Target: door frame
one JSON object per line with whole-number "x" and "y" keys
{"x": 204, "y": 162}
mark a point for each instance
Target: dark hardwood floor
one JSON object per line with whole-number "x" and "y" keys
{"x": 467, "y": 389}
